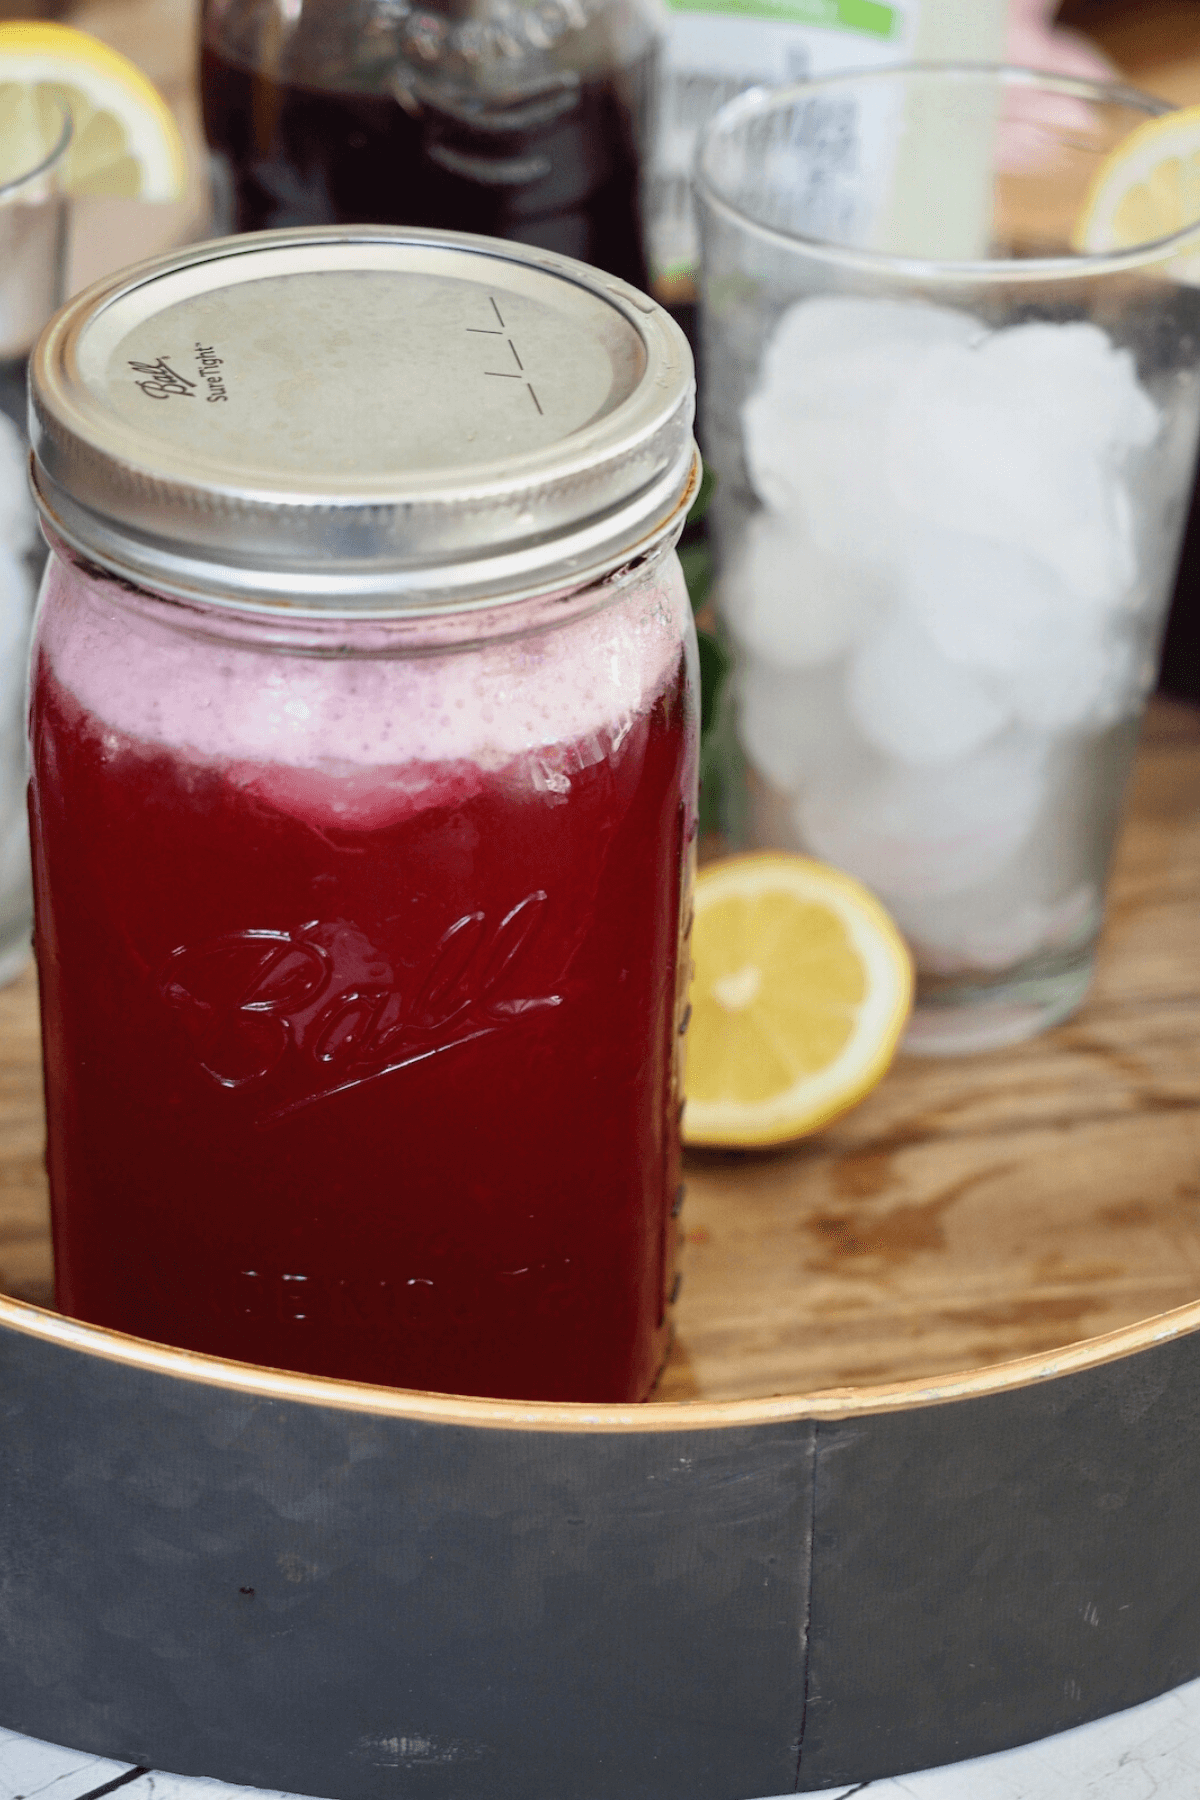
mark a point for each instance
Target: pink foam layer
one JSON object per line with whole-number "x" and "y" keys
{"x": 577, "y": 685}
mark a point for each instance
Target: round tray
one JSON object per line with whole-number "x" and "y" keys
{"x": 331, "y": 1589}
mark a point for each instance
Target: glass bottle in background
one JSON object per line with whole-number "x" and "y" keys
{"x": 34, "y": 134}
{"x": 520, "y": 123}
{"x": 716, "y": 49}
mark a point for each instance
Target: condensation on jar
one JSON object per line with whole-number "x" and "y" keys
{"x": 363, "y": 732}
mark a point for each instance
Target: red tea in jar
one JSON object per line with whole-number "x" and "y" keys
{"x": 363, "y": 732}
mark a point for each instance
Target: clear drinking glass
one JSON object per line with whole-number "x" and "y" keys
{"x": 953, "y": 456}
{"x": 33, "y": 145}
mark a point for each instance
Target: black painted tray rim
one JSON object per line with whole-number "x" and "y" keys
{"x": 258, "y": 1380}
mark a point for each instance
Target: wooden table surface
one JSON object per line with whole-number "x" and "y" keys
{"x": 970, "y": 1211}
{"x": 1156, "y": 43}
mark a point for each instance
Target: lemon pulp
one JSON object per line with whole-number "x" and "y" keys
{"x": 801, "y": 990}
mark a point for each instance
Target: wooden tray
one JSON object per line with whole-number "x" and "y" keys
{"x": 985, "y": 1208}
{"x": 336, "y": 1590}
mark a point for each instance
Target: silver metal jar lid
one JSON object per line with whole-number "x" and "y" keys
{"x": 361, "y": 418}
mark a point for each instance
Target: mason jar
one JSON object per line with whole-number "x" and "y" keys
{"x": 363, "y": 733}
{"x": 525, "y": 121}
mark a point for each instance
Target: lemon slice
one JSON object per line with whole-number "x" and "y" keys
{"x": 801, "y": 991}
{"x": 125, "y": 140}
{"x": 1148, "y": 188}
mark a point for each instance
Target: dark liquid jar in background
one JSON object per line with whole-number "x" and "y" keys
{"x": 515, "y": 122}
{"x": 363, "y": 798}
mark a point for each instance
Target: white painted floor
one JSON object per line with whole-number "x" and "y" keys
{"x": 1151, "y": 1752}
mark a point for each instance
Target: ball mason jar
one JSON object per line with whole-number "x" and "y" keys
{"x": 363, "y": 732}
{"x": 526, "y": 122}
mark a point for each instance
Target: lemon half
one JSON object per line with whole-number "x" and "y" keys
{"x": 125, "y": 141}
{"x": 1146, "y": 189}
{"x": 801, "y": 992}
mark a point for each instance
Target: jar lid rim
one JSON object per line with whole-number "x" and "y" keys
{"x": 335, "y": 417}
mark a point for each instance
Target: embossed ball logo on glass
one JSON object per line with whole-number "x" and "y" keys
{"x": 260, "y": 1003}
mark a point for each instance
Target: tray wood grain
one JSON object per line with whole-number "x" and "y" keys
{"x": 978, "y": 1209}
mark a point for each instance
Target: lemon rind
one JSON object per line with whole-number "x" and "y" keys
{"x": 815, "y": 1100}
{"x": 50, "y": 54}
{"x": 1121, "y": 170}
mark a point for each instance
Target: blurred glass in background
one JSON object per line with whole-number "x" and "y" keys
{"x": 952, "y": 461}
{"x": 35, "y": 132}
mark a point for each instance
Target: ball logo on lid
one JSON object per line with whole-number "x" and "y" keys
{"x": 161, "y": 382}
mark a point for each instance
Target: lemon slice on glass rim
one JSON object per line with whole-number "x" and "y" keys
{"x": 125, "y": 141}
{"x": 1146, "y": 189}
{"x": 802, "y": 989}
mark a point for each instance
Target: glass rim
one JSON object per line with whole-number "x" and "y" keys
{"x": 51, "y": 157}
{"x": 762, "y": 100}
